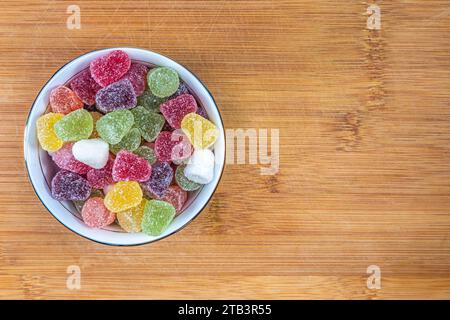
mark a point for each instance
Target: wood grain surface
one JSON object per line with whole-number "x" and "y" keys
{"x": 364, "y": 175}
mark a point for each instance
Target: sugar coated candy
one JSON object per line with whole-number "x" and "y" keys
{"x": 160, "y": 179}
{"x": 108, "y": 188}
{"x": 200, "y": 168}
{"x": 112, "y": 127}
{"x": 80, "y": 203}
{"x": 137, "y": 74}
{"x": 63, "y": 100}
{"x": 130, "y": 220}
{"x": 174, "y": 110}
{"x": 184, "y": 182}
{"x": 182, "y": 89}
{"x": 149, "y": 101}
{"x": 85, "y": 87}
{"x": 172, "y": 146}
{"x": 110, "y": 68}
{"x": 129, "y": 166}
{"x": 157, "y": 217}
{"x": 147, "y": 153}
{"x": 65, "y": 159}
{"x": 123, "y": 195}
{"x": 176, "y": 197}
{"x": 95, "y": 214}
{"x": 47, "y": 137}
{"x": 75, "y": 126}
{"x": 93, "y": 152}
{"x": 163, "y": 81}
{"x": 202, "y": 112}
{"x": 201, "y": 132}
{"x": 118, "y": 95}
{"x": 100, "y": 178}
{"x": 130, "y": 142}
{"x": 68, "y": 185}
{"x": 149, "y": 123}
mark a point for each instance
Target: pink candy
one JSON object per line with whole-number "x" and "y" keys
{"x": 63, "y": 100}
{"x": 85, "y": 87}
{"x": 172, "y": 146}
{"x": 176, "y": 197}
{"x": 95, "y": 214}
{"x": 110, "y": 68}
{"x": 175, "y": 109}
{"x": 138, "y": 77}
{"x": 65, "y": 160}
{"x": 129, "y": 166}
{"x": 100, "y": 178}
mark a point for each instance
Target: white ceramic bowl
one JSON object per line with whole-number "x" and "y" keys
{"x": 41, "y": 169}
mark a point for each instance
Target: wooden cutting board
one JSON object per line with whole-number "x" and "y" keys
{"x": 364, "y": 138}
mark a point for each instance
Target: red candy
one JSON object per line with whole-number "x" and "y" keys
{"x": 85, "y": 87}
{"x": 63, "y": 100}
{"x": 100, "y": 178}
{"x": 175, "y": 109}
{"x": 110, "y": 68}
{"x": 138, "y": 77}
{"x": 65, "y": 160}
{"x": 129, "y": 166}
{"x": 172, "y": 146}
{"x": 176, "y": 197}
{"x": 95, "y": 214}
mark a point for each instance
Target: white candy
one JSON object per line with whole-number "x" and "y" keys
{"x": 200, "y": 167}
{"x": 93, "y": 152}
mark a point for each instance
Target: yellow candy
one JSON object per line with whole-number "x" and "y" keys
{"x": 201, "y": 132}
{"x": 46, "y": 135}
{"x": 95, "y": 116}
{"x": 130, "y": 220}
{"x": 123, "y": 195}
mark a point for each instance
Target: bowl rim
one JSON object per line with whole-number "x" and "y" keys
{"x": 95, "y": 240}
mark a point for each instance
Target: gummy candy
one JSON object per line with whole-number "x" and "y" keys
{"x": 113, "y": 126}
{"x": 175, "y": 109}
{"x": 108, "y": 188}
{"x": 75, "y": 126}
{"x": 110, "y": 67}
{"x": 95, "y": 214}
{"x": 95, "y": 117}
{"x": 99, "y": 178}
{"x": 123, "y": 195}
{"x": 64, "y": 159}
{"x": 149, "y": 123}
{"x": 149, "y": 101}
{"x": 79, "y": 203}
{"x": 129, "y": 166}
{"x": 184, "y": 182}
{"x": 137, "y": 74}
{"x": 68, "y": 185}
{"x": 176, "y": 197}
{"x": 118, "y": 95}
{"x": 46, "y": 135}
{"x": 160, "y": 179}
{"x": 202, "y": 112}
{"x": 85, "y": 87}
{"x": 93, "y": 152}
{"x": 163, "y": 81}
{"x": 182, "y": 89}
{"x": 172, "y": 146}
{"x": 201, "y": 132}
{"x": 130, "y": 142}
{"x": 130, "y": 220}
{"x": 157, "y": 217}
{"x": 63, "y": 100}
{"x": 147, "y": 153}
{"x": 200, "y": 168}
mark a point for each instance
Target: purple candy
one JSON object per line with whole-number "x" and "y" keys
{"x": 118, "y": 95}
{"x": 68, "y": 185}
{"x": 182, "y": 89}
{"x": 201, "y": 111}
{"x": 159, "y": 182}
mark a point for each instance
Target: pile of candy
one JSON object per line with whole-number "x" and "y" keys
{"x": 130, "y": 144}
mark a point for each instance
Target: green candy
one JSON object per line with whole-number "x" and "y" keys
{"x": 149, "y": 101}
{"x": 163, "y": 81}
{"x": 148, "y": 123}
{"x": 113, "y": 126}
{"x": 183, "y": 182}
{"x": 157, "y": 217}
{"x": 75, "y": 126}
{"x": 130, "y": 142}
{"x": 147, "y": 153}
